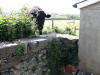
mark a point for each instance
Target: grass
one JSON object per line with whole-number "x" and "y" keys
{"x": 61, "y": 25}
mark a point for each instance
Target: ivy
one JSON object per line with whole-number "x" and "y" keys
{"x": 60, "y": 53}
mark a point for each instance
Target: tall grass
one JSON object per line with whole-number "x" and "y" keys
{"x": 62, "y": 26}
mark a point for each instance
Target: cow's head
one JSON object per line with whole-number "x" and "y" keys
{"x": 41, "y": 14}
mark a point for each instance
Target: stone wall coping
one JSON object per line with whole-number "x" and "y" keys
{"x": 8, "y": 45}
{"x": 70, "y": 37}
{"x": 41, "y": 38}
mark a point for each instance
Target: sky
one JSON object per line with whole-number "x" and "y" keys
{"x": 50, "y": 6}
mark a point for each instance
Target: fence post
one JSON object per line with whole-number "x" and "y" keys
{"x": 74, "y": 28}
{"x": 52, "y": 23}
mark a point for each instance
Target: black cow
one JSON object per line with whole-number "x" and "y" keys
{"x": 40, "y": 15}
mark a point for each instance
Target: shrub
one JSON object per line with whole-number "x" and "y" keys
{"x": 57, "y": 30}
{"x": 15, "y": 27}
{"x": 22, "y": 28}
{"x": 68, "y": 30}
{"x": 61, "y": 54}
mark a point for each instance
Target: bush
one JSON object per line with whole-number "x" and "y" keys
{"x": 22, "y": 28}
{"x": 68, "y": 30}
{"x": 57, "y": 30}
{"x": 12, "y": 28}
{"x": 16, "y": 25}
{"x": 61, "y": 54}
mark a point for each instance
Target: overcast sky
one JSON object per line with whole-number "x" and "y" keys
{"x": 51, "y": 6}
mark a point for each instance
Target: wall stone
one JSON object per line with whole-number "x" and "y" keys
{"x": 5, "y": 50}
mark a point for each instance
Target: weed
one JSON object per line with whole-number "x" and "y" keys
{"x": 19, "y": 51}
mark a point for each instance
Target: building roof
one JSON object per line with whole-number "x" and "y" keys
{"x": 85, "y": 3}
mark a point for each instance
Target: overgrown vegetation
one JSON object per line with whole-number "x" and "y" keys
{"x": 14, "y": 26}
{"x": 19, "y": 51}
{"x": 59, "y": 54}
{"x": 14, "y": 29}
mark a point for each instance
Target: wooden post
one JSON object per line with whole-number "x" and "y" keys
{"x": 52, "y": 23}
{"x": 74, "y": 28}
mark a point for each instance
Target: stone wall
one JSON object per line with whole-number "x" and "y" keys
{"x": 27, "y": 64}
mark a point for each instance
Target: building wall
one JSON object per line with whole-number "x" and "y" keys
{"x": 89, "y": 40}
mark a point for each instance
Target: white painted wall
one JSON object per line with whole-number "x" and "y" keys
{"x": 89, "y": 40}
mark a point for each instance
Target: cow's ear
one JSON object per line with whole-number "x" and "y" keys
{"x": 48, "y": 15}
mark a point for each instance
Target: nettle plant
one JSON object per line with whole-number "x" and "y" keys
{"x": 61, "y": 54}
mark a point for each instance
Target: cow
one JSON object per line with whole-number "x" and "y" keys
{"x": 40, "y": 16}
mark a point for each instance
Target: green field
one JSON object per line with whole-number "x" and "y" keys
{"x": 61, "y": 25}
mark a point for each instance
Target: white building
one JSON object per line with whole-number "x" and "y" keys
{"x": 89, "y": 39}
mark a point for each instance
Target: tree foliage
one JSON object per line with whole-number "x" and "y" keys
{"x": 72, "y": 16}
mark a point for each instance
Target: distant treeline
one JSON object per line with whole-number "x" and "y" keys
{"x": 73, "y": 16}
{"x": 68, "y": 16}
